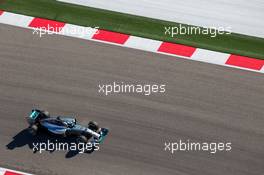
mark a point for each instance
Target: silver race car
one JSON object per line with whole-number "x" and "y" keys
{"x": 65, "y": 126}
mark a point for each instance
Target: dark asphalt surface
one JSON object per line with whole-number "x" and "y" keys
{"x": 202, "y": 102}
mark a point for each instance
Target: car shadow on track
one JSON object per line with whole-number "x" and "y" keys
{"x": 40, "y": 142}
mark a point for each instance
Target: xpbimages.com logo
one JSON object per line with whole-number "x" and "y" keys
{"x": 188, "y": 145}
{"x": 173, "y": 31}
{"x": 71, "y": 31}
{"x": 118, "y": 88}
{"x": 60, "y": 146}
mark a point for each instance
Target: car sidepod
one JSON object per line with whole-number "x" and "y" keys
{"x": 54, "y": 128}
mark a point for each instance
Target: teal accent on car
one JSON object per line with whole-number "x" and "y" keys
{"x": 104, "y": 133}
{"x": 34, "y": 115}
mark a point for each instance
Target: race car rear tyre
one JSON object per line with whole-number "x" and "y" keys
{"x": 33, "y": 130}
{"x": 82, "y": 139}
{"x": 93, "y": 126}
{"x": 46, "y": 113}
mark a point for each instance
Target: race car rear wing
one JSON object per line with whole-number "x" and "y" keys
{"x": 33, "y": 116}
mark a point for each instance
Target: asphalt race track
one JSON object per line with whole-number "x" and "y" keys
{"x": 203, "y": 102}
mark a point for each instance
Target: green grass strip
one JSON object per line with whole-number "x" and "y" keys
{"x": 134, "y": 25}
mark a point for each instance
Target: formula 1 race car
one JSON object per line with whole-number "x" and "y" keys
{"x": 65, "y": 126}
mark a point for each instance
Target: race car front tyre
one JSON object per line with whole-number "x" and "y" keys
{"x": 46, "y": 113}
{"x": 33, "y": 130}
{"x": 82, "y": 139}
{"x": 93, "y": 126}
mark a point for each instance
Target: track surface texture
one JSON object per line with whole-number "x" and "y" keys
{"x": 202, "y": 102}
{"x": 244, "y": 17}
